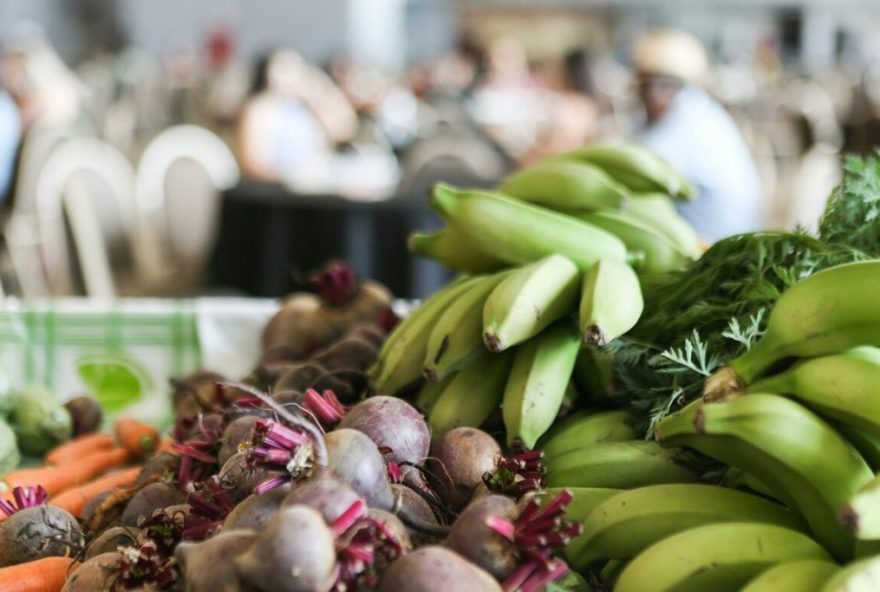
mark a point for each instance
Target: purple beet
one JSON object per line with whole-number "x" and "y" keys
{"x": 237, "y": 432}
{"x": 111, "y": 539}
{"x": 36, "y": 532}
{"x": 295, "y": 552}
{"x": 436, "y": 569}
{"x": 149, "y": 499}
{"x": 475, "y": 540}
{"x": 98, "y": 573}
{"x": 239, "y": 479}
{"x": 325, "y": 493}
{"x": 355, "y": 460}
{"x": 459, "y": 459}
{"x": 207, "y": 566}
{"x": 255, "y": 510}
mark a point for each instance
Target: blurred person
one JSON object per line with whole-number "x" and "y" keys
{"x": 294, "y": 114}
{"x": 227, "y": 79}
{"x": 694, "y": 132}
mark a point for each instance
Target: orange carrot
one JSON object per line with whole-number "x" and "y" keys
{"x": 72, "y": 474}
{"x": 42, "y": 575}
{"x": 165, "y": 445}
{"x": 136, "y": 436}
{"x": 78, "y": 448}
{"x": 74, "y": 500}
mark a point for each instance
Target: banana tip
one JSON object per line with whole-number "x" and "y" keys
{"x": 848, "y": 517}
{"x": 430, "y": 373}
{"x": 722, "y": 385}
{"x": 593, "y": 335}
{"x": 492, "y": 342}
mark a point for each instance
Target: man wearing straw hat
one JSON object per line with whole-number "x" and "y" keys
{"x": 691, "y": 130}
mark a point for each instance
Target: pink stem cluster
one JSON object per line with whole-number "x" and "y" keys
{"x": 325, "y": 407}
{"x": 336, "y": 283}
{"x": 517, "y": 474}
{"x": 278, "y": 447}
{"x": 145, "y": 566}
{"x": 360, "y": 541}
{"x": 24, "y": 498}
{"x": 537, "y": 533}
{"x": 197, "y": 447}
{"x": 210, "y": 506}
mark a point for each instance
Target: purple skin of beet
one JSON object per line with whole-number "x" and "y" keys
{"x": 295, "y": 552}
{"x": 472, "y": 537}
{"x": 255, "y": 510}
{"x": 325, "y": 493}
{"x": 207, "y": 566}
{"x": 458, "y": 461}
{"x": 149, "y": 499}
{"x": 97, "y": 573}
{"x": 436, "y": 569}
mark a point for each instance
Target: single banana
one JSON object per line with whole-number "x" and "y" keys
{"x": 610, "y": 572}
{"x": 804, "y": 575}
{"x": 660, "y": 254}
{"x": 867, "y": 443}
{"x": 586, "y": 428}
{"x": 583, "y": 501}
{"x": 624, "y": 525}
{"x": 594, "y": 374}
{"x": 537, "y": 383}
{"x": 739, "y": 479}
{"x": 787, "y": 447}
{"x": 611, "y": 302}
{"x": 528, "y": 300}
{"x": 717, "y": 557}
{"x": 427, "y": 396}
{"x": 826, "y": 313}
{"x": 636, "y": 167}
{"x": 844, "y": 386}
{"x": 657, "y": 211}
{"x": 566, "y": 185}
{"x": 452, "y": 249}
{"x": 620, "y": 465}
{"x": 457, "y": 335}
{"x": 518, "y": 232}
{"x": 861, "y": 514}
{"x": 401, "y": 357}
{"x": 472, "y": 395}
{"x": 859, "y": 576}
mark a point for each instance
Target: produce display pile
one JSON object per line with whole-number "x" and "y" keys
{"x": 593, "y": 403}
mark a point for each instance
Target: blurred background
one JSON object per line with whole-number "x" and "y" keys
{"x": 172, "y": 148}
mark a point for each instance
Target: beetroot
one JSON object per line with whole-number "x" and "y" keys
{"x": 436, "y": 569}
{"x": 475, "y": 540}
{"x": 394, "y": 526}
{"x": 240, "y": 479}
{"x": 33, "y": 530}
{"x": 395, "y": 425}
{"x": 206, "y": 566}
{"x": 325, "y": 493}
{"x": 98, "y": 573}
{"x": 459, "y": 459}
{"x": 149, "y": 499}
{"x": 195, "y": 393}
{"x": 295, "y": 552}
{"x": 159, "y": 467}
{"x": 111, "y": 539}
{"x": 299, "y": 377}
{"x": 85, "y": 415}
{"x": 414, "y": 503}
{"x": 255, "y": 510}
{"x": 237, "y": 432}
{"x": 356, "y": 460}
{"x": 349, "y": 353}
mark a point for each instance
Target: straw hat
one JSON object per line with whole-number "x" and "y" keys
{"x": 670, "y": 53}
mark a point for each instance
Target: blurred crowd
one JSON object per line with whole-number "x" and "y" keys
{"x": 762, "y": 140}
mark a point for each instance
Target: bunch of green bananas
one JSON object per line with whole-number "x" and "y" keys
{"x": 555, "y": 242}
{"x": 798, "y": 416}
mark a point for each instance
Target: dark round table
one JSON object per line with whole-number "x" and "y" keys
{"x": 269, "y": 239}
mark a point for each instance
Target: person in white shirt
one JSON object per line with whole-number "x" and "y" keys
{"x": 685, "y": 125}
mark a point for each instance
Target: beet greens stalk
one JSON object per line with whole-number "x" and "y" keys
{"x": 363, "y": 545}
{"x": 24, "y": 498}
{"x": 278, "y": 447}
{"x": 324, "y": 407}
{"x": 517, "y": 474}
{"x": 336, "y": 283}
{"x": 210, "y": 505}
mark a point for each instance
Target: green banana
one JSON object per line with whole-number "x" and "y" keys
{"x": 861, "y": 514}
{"x": 472, "y": 395}
{"x": 660, "y": 254}
{"x": 400, "y": 359}
{"x": 452, "y": 249}
{"x": 787, "y": 447}
{"x": 583, "y": 501}
{"x": 427, "y": 396}
{"x": 717, "y": 557}
{"x": 657, "y": 211}
{"x": 844, "y": 386}
{"x": 636, "y": 167}
{"x": 610, "y": 572}
{"x": 859, "y": 576}
{"x": 528, "y": 300}
{"x": 867, "y": 443}
{"x": 538, "y": 379}
{"x": 594, "y": 373}
{"x": 518, "y": 232}
{"x": 611, "y": 302}
{"x": 621, "y": 465}
{"x": 624, "y": 525}
{"x": 826, "y": 313}
{"x": 739, "y": 479}
{"x": 586, "y": 428}
{"x": 457, "y": 335}
{"x": 566, "y": 185}
{"x": 804, "y": 575}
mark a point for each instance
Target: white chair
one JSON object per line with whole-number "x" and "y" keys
{"x": 179, "y": 178}
{"x": 74, "y": 174}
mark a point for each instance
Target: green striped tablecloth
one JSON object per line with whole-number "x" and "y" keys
{"x": 124, "y": 351}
